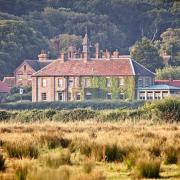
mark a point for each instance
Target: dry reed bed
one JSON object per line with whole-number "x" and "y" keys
{"x": 125, "y": 142}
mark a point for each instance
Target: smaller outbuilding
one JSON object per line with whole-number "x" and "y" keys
{"x": 158, "y": 92}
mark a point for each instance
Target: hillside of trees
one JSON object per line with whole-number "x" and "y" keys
{"x": 131, "y": 26}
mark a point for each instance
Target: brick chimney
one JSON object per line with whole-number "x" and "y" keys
{"x": 97, "y": 50}
{"x": 86, "y": 52}
{"x": 62, "y": 57}
{"x": 116, "y": 54}
{"x": 43, "y": 56}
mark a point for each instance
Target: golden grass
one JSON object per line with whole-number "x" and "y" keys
{"x": 142, "y": 139}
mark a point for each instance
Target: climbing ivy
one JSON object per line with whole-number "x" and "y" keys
{"x": 99, "y": 90}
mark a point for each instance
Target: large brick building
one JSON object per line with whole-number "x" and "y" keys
{"x": 86, "y": 75}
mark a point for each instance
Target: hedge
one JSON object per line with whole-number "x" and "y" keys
{"x": 96, "y": 105}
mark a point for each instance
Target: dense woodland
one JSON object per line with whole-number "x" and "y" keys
{"x": 144, "y": 28}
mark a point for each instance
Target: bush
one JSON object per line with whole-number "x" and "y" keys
{"x": 114, "y": 153}
{"x": 167, "y": 109}
{"x": 171, "y": 155}
{"x": 2, "y": 162}
{"x": 148, "y": 168}
{"x": 96, "y": 105}
{"x": 4, "y": 115}
{"x": 53, "y": 140}
{"x": 22, "y": 149}
{"x": 77, "y": 114}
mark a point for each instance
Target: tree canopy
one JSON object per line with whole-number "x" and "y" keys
{"x": 146, "y": 54}
{"x": 115, "y": 24}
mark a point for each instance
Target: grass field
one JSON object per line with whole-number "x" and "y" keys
{"x": 89, "y": 150}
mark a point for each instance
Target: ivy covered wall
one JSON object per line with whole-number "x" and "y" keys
{"x": 99, "y": 90}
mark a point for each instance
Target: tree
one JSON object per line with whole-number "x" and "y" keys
{"x": 17, "y": 42}
{"x": 145, "y": 53}
{"x": 171, "y": 45}
{"x": 170, "y": 72}
{"x": 63, "y": 41}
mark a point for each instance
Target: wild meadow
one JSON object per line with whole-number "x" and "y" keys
{"x": 91, "y": 145}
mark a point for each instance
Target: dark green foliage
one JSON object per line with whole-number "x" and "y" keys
{"x": 18, "y": 41}
{"x": 170, "y": 72}
{"x": 77, "y": 114}
{"x": 114, "y": 153}
{"x": 97, "y": 105}
{"x": 146, "y": 54}
{"x": 2, "y": 162}
{"x": 4, "y": 115}
{"x": 166, "y": 109}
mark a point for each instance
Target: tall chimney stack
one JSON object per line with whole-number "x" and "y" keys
{"x": 85, "y": 44}
{"x": 43, "y": 56}
{"x": 97, "y": 50}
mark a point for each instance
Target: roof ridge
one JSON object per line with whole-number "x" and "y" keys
{"x": 39, "y": 71}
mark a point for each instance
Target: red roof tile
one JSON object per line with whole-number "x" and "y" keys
{"x": 115, "y": 67}
{"x": 169, "y": 82}
{"x": 9, "y": 81}
{"x": 4, "y": 88}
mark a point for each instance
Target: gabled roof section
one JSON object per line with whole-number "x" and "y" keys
{"x": 93, "y": 67}
{"x": 140, "y": 70}
{"x": 36, "y": 64}
{"x": 4, "y": 87}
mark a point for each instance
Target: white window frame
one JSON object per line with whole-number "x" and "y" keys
{"x": 44, "y": 82}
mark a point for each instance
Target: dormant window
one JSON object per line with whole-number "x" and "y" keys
{"x": 44, "y": 82}
{"x": 43, "y": 97}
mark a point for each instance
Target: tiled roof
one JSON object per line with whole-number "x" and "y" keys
{"x": 4, "y": 88}
{"x": 36, "y": 64}
{"x": 161, "y": 87}
{"x": 10, "y": 81}
{"x": 113, "y": 67}
{"x": 169, "y": 82}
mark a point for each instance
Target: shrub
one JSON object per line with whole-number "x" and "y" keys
{"x": 4, "y": 115}
{"x": 77, "y": 114}
{"x": 171, "y": 155}
{"x": 53, "y": 140}
{"x": 2, "y": 162}
{"x": 167, "y": 109}
{"x": 22, "y": 149}
{"x": 148, "y": 168}
{"x": 114, "y": 153}
{"x": 57, "y": 159}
